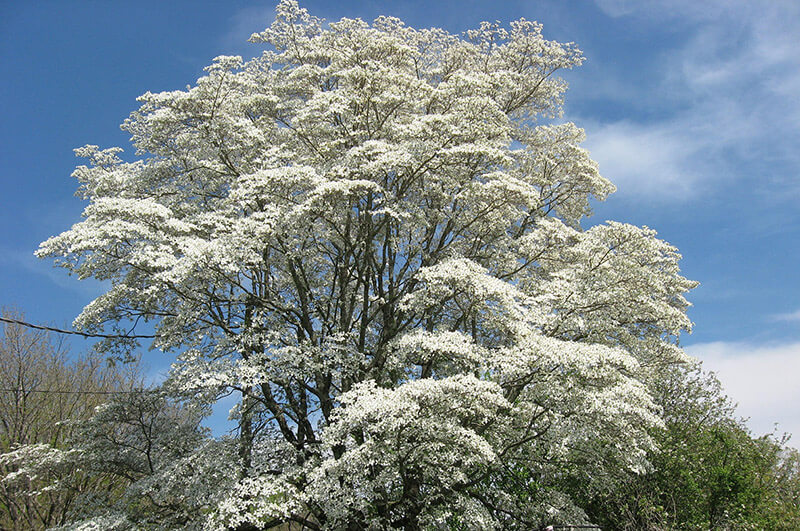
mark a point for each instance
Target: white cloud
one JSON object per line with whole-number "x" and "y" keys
{"x": 617, "y": 8}
{"x": 25, "y": 260}
{"x": 733, "y": 86}
{"x": 647, "y": 160}
{"x": 763, "y": 380}
{"x": 244, "y": 23}
{"x": 792, "y": 316}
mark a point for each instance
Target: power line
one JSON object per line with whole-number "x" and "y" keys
{"x": 75, "y": 332}
{"x": 82, "y": 392}
{"x": 73, "y": 392}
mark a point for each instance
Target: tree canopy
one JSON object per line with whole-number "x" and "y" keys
{"x": 45, "y": 394}
{"x": 372, "y": 233}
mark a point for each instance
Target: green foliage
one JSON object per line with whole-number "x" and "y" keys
{"x": 710, "y": 472}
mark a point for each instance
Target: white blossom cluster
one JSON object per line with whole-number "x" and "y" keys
{"x": 367, "y": 233}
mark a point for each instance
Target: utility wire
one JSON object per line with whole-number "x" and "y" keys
{"x": 81, "y": 392}
{"x": 74, "y": 332}
{"x": 52, "y": 392}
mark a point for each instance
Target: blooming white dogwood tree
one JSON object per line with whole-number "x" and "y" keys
{"x": 369, "y": 233}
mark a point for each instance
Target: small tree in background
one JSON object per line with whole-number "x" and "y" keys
{"x": 82, "y": 439}
{"x": 707, "y": 472}
{"x": 44, "y": 394}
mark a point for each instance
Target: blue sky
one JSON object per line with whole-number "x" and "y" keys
{"x": 691, "y": 108}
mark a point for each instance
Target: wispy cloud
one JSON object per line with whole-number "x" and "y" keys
{"x": 649, "y": 159}
{"x": 731, "y": 87}
{"x": 44, "y": 269}
{"x": 792, "y": 316}
{"x": 762, "y": 379}
{"x": 244, "y": 23}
